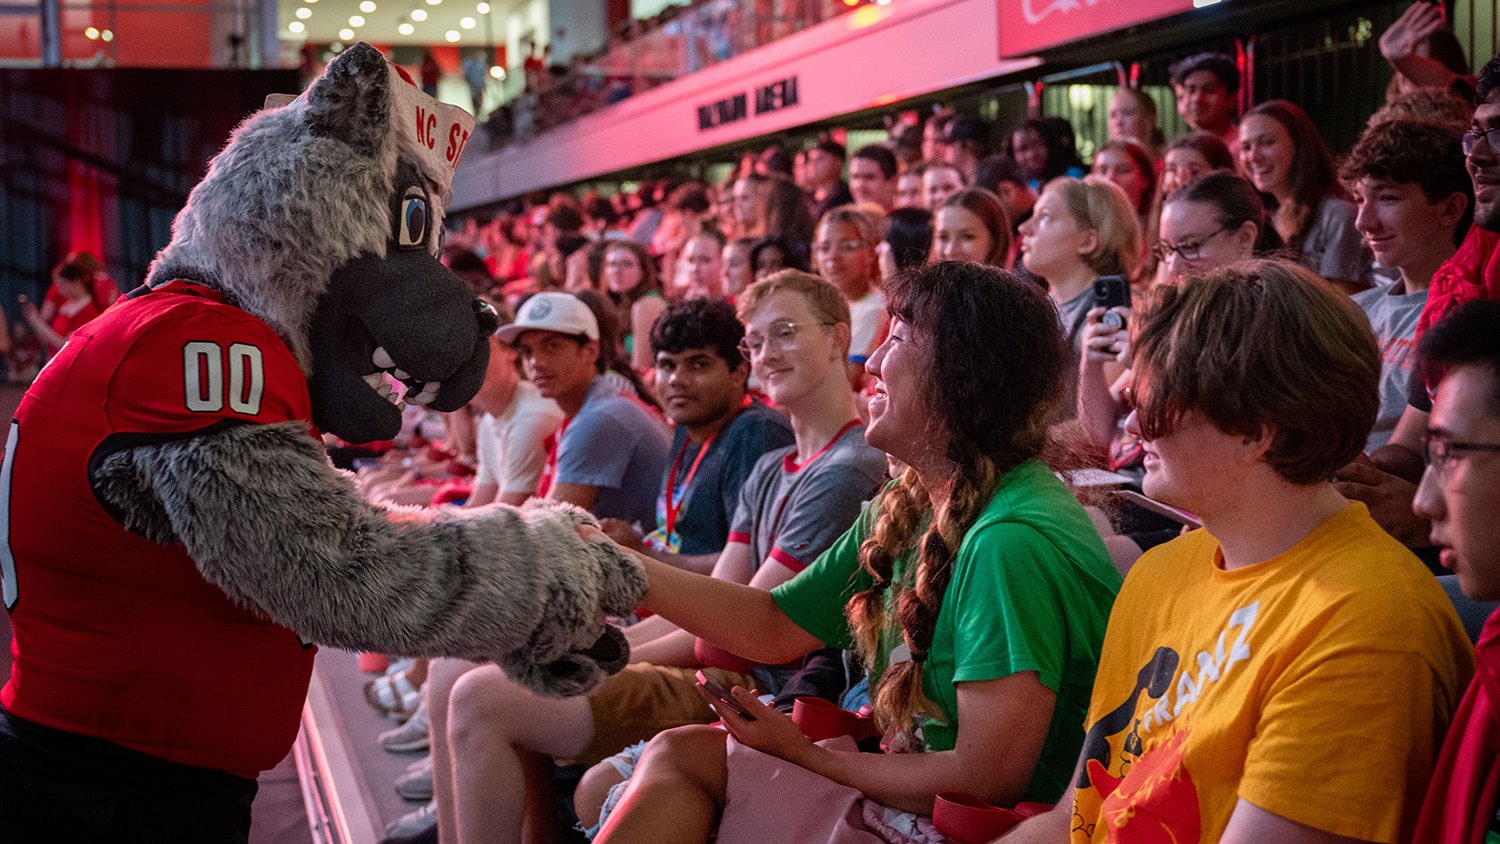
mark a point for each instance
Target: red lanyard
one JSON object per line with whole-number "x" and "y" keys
{"x": 553, "y": 442}
{"x": 673, "y": 508}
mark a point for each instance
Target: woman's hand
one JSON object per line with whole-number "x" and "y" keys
{"x": 1102, "y": 342}
{"x": 1401, "y": 40}
{"x": 622, "y": 533}
{"x": 771, "y": 732}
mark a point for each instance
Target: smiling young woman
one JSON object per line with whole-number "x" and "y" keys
{"x": 1283, "y": 154}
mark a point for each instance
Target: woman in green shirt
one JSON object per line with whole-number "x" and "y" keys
{"x": 974, "y": 586}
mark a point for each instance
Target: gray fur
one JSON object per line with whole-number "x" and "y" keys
{"x": 298, "y": 192}
{"x": 515, "y": 586}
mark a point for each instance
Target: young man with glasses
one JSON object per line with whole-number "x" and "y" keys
{"x": 490, "y": 734}
{"x": 1460, "y": 494}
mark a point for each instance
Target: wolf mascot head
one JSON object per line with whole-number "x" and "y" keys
{"x": 324, "y": 218}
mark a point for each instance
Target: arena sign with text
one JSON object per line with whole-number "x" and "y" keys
{"x": 774, "y": 96}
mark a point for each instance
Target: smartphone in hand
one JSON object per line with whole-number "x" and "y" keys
{"x": 715, "y": 688}
{"x": 1112, "y": 291}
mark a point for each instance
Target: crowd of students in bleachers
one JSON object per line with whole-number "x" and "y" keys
{"x": 837, "y": 406}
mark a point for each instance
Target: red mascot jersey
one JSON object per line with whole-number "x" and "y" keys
{"x": 115, "y": 636}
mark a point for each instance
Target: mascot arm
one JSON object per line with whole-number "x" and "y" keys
{"x": 271, "y": 522}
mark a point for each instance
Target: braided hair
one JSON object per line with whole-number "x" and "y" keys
{"x": 990, "y": 401}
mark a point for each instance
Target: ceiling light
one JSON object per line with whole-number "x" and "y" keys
{"x": 92, "y": 33}
{"x": 452, "y": 35}
{"x": 434, "y": 2}
{"x": 356, "y": 20}
{"x": 107, "y": 35}
{"x": 367, "y": 7}
{"x": 406, "y": 29}
{"x": 419, "y": 15}
{"x": 484, "y": 8}
{"x": 296, "y": 27}
{"x": 466, "y": 23}
{"x": 304, "y": 13}
{"x": 497, "y": 72}
{"x": 336, "y": 47}
{"x": 346, "y": 34}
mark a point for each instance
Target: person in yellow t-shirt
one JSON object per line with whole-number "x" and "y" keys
{"x": 1285, "y": 673}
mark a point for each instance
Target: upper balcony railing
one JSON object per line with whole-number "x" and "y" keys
{"x": 645, "y": 54}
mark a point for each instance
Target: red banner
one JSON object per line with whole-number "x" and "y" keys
{"x": 1028, "y": 26}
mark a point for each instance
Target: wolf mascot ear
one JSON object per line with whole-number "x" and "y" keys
{"x": 205, "y": 536}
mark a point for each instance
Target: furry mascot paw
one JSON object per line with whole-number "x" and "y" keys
{"x": 205, "y": 538}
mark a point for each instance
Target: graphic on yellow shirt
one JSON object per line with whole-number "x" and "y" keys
{"x": 1154, "y": 798}
{"x": 1155, "y": 802}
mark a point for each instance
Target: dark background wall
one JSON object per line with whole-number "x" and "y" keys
{"x": 102, "y": 160}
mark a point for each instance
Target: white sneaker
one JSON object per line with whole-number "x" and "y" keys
{"x": 416, "y": 782}
{"x": 411, "y": 736}
{"x": 414, "y": 822}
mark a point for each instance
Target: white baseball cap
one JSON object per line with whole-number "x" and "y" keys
{"x": 560, "y": 312}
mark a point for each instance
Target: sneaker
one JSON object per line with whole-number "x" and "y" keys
{"x": 409, "y": 737}
{"x": 416, "y": 782}
{"x": 393, "y": 696}
{"x": 414, "y": 822}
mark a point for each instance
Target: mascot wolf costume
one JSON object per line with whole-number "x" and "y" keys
{"x": 174, "y": 534}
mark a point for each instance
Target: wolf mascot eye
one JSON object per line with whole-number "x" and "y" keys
{"x": 174, "y": 543}
{"x": 413, "y": 225}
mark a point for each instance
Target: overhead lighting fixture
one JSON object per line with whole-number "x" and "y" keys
{"x": 356, "y": 20}
{"x": 304, "y": 13}
{"x": 406, "y": 29}
{"x": 92, "y": 33}
{"x": 434, "y": 2}
{"x": 497, "y": 72}
{"x": 367, "y": 7}
{"x": 466, "y": 23}
{"x": 346, "y": 34}
{"x": 295, "y": 27}
{"x": 106, "y": 35}
{"x": 419, "y": 15}
{"x": 336, "y": 47}
{"x": 484, "y": 8}
{"x": 452, "y": 35}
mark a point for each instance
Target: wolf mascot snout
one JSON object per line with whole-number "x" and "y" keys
{"x": 174, "y": 533}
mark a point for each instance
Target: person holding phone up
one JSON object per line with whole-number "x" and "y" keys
{"x": 975, "y": 693}
{"x": 1081, "y": 229}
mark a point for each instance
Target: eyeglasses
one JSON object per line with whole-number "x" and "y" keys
{"x": 824, "y": 247}
{"x": 1190, "y": 250}
{"x": 782, "y": 334}
{"x": 1470, "y": 139}
{"x": 1443, "y": 452}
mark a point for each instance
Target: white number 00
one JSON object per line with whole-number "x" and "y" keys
{"x": 203, "y": 365}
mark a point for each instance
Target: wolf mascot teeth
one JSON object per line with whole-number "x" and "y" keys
{"x": 174, "y": 532}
